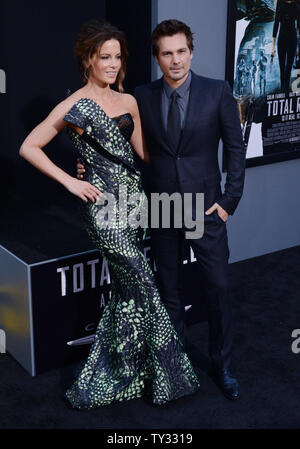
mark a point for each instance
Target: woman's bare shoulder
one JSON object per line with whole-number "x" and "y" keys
{"x": 128, "y": 101}
{"x": 128, "y": 98}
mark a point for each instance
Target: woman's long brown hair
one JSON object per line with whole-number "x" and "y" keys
{"x": 89, "y": 40}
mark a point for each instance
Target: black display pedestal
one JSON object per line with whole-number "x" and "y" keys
{"x": 54, "y": 285}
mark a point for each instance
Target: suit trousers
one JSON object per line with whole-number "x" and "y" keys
{"x": 211, "y": 253}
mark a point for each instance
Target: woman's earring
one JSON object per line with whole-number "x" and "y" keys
{"x": 86, "y": 74}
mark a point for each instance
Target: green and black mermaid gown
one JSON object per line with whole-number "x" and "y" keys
{"x": 136, "y": 350}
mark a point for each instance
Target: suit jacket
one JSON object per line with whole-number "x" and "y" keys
{"x": 211, "y": 115}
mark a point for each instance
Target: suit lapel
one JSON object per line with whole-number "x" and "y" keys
{"x": 195, "y": 105}
{"x": 156, "y": 116}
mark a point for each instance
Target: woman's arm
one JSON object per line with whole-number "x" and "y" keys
{"x": 41, "y": 135}
{"x": 137, "y": 139}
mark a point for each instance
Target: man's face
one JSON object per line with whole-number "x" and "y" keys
{"x": 174, "y": 56}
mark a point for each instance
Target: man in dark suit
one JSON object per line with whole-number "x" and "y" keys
{"x": 183, "y": 118}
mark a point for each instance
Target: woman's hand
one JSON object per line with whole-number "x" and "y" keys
{"x": 80, "y": 169}
{"x": 83, "y": 190}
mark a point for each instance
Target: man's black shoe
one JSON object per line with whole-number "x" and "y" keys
{"x": 226, "y": 382}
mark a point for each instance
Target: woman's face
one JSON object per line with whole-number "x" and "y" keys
{"x": 105, "y": 64}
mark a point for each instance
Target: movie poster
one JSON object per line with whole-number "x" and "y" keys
{"x": 263, "y": 40}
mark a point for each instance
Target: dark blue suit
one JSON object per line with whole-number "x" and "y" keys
{"x": 193, "y": 167}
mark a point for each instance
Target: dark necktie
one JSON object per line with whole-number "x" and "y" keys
{"x": 174, "y": 122}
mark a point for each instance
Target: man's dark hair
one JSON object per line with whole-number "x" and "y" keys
{"x": 169, "y": 28}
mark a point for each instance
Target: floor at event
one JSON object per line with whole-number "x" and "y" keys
{"x": 266, "y": 305}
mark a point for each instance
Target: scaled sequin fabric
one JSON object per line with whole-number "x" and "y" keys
{"x": 136, "y": 350}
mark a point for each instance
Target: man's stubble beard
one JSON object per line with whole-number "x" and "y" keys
{"x": 179, "y": 77}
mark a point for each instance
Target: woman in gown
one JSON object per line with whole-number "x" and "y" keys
{"x": 136, "y": 350}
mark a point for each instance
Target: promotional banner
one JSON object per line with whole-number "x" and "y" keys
{"x": 67, "y": 311}
{"x": 263, "y": 66}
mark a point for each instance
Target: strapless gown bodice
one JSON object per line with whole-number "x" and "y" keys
{"x": 104, "y": 136}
